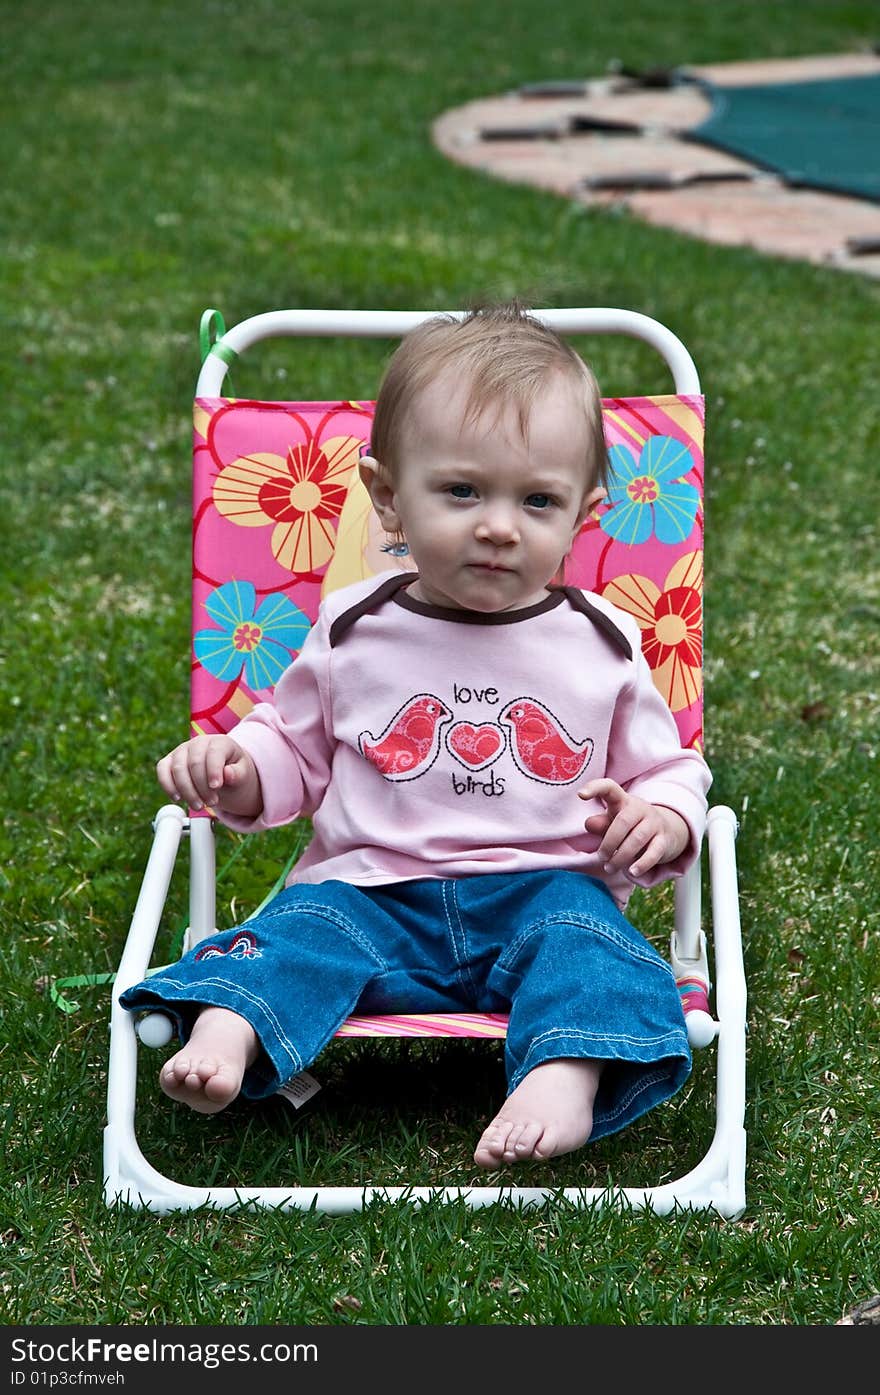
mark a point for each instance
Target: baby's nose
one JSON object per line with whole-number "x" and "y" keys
{"x": 498, "y": 523}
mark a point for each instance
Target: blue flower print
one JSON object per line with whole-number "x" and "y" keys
{"x": 258, "y": 640}
{"x": 648, "y": 495}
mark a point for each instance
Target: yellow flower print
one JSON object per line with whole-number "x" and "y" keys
{"x": 299, "y": 496}
{"x": 670, "y": 621}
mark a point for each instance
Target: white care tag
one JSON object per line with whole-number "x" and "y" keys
{"x": 299, "y": 1088}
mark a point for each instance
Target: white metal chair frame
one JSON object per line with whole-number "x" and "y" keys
{"x": 717, "y": 1182}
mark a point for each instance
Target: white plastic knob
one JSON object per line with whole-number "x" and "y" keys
{"x": 155, "y": 1029}
{"x": 701, "y": 1028}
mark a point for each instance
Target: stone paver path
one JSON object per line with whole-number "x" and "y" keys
{"x": 562, "y": 138}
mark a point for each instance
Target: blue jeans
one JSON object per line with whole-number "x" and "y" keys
{"x": 549, "y": 948}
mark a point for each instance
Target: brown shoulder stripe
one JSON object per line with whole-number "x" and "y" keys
{"x": 578, "y": 601}
{"x": 347, "y": 618}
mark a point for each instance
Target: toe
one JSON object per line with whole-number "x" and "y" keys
{"x": 528, "y": 1140}
{"x": 176, "y": 1070}
{"x": 549, "y": 1146}
{"x": 491, "y": 1147}
{"x": 221, "y": 1085}
{"x": 511, "y": 1146}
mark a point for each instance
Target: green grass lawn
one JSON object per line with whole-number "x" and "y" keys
{"x": 162, "y": 158}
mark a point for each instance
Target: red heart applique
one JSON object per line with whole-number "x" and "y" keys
{"x": 476, "y": 747}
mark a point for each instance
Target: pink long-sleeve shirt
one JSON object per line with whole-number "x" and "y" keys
{"x": 427, "y": 742}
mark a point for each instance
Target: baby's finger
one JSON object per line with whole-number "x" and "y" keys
{"x": 609, "y": 791}
{"x": 613, "y": 847}
{"x": 629, "y": 851}
{"x": 188, "y": 772}
{"x": 165, "y": 777}
{"x": 215, "y": 767}
{"x": 628, "y": 848}
{"x": 649, "y": 857}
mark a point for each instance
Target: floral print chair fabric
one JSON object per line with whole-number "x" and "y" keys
{"x": 280, "y": 518}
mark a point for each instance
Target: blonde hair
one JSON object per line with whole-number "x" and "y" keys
{"x": 506, "y": 356}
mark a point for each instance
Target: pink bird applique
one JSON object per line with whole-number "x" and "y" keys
{"x": 409, "y": 744}
{"x": 541, "y": 747}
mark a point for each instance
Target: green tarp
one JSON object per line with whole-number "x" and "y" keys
{"x": 821, "y": 135}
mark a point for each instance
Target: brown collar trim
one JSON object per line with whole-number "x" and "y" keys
{"x": 394, "y": 588}
{"x": 476, "y": 617}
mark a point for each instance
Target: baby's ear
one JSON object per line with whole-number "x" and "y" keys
{"x": 590, "y": 501}
{"x": 377, "y": 483}
{"x": 371, "y": 473}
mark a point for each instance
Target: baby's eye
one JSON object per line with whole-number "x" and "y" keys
{"x": 539, "y": 501}
{"x": 461, "y": 491}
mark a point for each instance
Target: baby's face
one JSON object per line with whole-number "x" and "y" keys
{"x": 488, "y": 515}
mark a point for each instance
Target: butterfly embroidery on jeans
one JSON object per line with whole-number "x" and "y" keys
{"x": 244, "y": 946}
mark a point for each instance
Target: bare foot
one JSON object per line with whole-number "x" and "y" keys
{"x": 550, "y": 1112}
{"x": 207, "y": 1072}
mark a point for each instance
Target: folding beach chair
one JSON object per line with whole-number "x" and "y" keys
{"x": 280, "y": 519}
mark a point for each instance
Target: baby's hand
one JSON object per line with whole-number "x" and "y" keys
{"x": 636, "y": 835}
{"x": 211, "y": 770}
